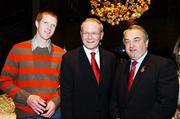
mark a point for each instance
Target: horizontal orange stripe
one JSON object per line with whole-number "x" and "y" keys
{"x": 46, "y": 96}
{"x": 5, "y": 78}
{"x": 11, "y": 56}
{"x": 25, "y": 108}
{"x": 14, "y": 91}
{"x": 6, "y": 84}
{"x": 57, "y": 49}
{"x": 32, "y": 57}
{"x": 37, "y": 83}
{"x": 10, "y": 69}
{"x": 32, "y": 70}
{"x": 23, "y": 45}
{"x": 57, "y": 93}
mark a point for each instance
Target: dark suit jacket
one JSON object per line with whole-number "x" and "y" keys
{"x": 153, "y": 94}
{"x": 81, "y": 96}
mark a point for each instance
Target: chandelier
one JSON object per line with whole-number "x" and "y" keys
{"x": 116, "y": 12}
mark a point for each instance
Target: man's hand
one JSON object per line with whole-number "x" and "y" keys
{"x": 51, "y": 108}
{"x": 37, "y": 104}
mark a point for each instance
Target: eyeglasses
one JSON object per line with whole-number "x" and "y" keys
{"x": 92, "y": 34}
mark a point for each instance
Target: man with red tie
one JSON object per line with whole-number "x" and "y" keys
{"x": 146, "y": 86}
{"x": 87, "y": 72}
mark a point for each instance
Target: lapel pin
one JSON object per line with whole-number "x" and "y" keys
{"x": 142, "y": 69}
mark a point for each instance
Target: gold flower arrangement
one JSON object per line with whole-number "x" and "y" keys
{"x": 116, "y": 12}
{"x": 6, "y": 104}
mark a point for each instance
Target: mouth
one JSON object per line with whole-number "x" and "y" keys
{"x": 48, "y": 32}
{"x": 90, "y": 41}
{"x": 132, "y": 50}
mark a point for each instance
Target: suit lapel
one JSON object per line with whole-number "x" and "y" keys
{"x": 139, "y": 75}
{"x": 85, "y": 65}
{"x": 101, "y": 65}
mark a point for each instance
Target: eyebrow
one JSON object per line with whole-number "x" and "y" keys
{"x": 137, "y": 37}
{"x": 133, "y": 38}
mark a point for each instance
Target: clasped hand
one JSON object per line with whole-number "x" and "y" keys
{"x": 40, "y": 106}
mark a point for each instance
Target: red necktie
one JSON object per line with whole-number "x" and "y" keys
{"x": 131, "y": 74}
{"x": 95, "y": 67}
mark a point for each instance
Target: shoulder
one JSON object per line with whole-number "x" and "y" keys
{"x": 24, "y": 44}
{"x": 106, "y": 53}
{"x": 73, "y": 52}
{"x": 160, "y": 60}
{"x": 57, "y": 48}
{"x": 72, "y": 56}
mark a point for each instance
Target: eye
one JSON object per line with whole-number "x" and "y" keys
{"x": 126, "y": 41}
{"x": 94, "y": 33}
{"x": 85, "y": 33}
{"x": 45, "y": 22}
{"x": 53, "y": 25}
{"x": 136, "y": 40}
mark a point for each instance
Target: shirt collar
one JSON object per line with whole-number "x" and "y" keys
{"x": 88, "y": 51}
{"x": 141, "y": 59}
{"x": 35, "y": 44}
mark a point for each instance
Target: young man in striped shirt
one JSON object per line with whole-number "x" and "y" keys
{"x": 31, "y": 72}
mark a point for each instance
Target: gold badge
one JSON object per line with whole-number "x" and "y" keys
{"x": 142, "y": 69}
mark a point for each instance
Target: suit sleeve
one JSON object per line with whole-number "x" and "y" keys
{"x": 114, "y": 107}
{"x": 66, "y": 88}
{"x": 167, "y": 92}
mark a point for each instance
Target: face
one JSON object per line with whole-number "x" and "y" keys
{"x": 91, "y": 35}
{"x": 178, "y": 57}
{"x": 135, "y": 43}
{"x": 46, "y": 27}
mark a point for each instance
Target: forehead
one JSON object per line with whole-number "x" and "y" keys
{"x": 49, "y": 18}
{"x": 133, "y": 33}
{"x": 91, "y": 25}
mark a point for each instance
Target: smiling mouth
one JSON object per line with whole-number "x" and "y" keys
{"x": 48, "y": 32}
{"x": 132, "y": 50}
{"x": 90, "y": 41}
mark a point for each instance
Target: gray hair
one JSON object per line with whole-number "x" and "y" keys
{"x": 139, "y": 28}
{"x": 92, "y": 20}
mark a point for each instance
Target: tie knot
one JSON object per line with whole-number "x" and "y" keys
{"x": 134, "y": 63}
{"x": 93, "y": 53}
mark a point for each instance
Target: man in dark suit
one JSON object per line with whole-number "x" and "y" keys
{"x": 151, "y": 93}
{"x": 85, "y": 94}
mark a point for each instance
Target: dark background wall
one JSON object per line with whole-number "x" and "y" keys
{"x": 15, "y": 25}
{"x": 162, "y": 21}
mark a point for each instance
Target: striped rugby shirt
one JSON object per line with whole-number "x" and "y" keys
{"x": 28, "y": 71}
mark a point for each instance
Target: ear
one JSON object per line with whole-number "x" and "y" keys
{"x": 80, "y": 32}
{"x": 147, "y": 42}
{"x": 102, "y": 34}
{"x": 37, "y": 24}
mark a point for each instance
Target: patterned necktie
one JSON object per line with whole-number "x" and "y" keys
{"x": 95, "y": 67}
{"x": 131, "y": 74}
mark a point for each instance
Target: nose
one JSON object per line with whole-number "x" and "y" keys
{"x": 49, "y": 27}
{"x": 89, "y": 36}
{"x": 131, "y": 44}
